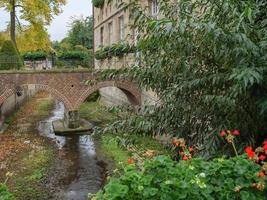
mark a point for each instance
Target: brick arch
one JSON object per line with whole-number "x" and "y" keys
{"x": 130, "y": 89}
{"x": 40, "y": 87}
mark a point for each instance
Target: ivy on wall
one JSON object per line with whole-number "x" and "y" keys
{"x": 118, "y": 50}
{"x": 98, "y": 3}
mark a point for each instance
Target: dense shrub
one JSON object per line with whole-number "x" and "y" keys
{"x": 98, "y": 3}
{"x": 196, "y": 179}
{"x": 75, "y": 58}
{"x": 207, "y": 62}
{"x": 114, "y": 50}
{"x": 39, "y": 55}
{"x": 9, "y": 57}
{"x": 72, "y": 55}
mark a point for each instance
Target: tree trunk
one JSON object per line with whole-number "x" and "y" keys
{"x": 13, "y": 22}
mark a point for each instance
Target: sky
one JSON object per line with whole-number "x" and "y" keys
{"x": 59, "y": 26}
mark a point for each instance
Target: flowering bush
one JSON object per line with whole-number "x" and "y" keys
{"x": 183, "y": 152}
{"x": 163, "y": 178}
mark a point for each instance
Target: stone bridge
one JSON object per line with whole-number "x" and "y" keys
{"x": 65, "y": 86}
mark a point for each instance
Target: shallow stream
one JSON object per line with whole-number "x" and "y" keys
{"x": 77, "y": 170}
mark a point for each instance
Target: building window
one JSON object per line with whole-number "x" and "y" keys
{"x": 110, "y": 32}
{"x": 154, "y": 8}
{"x": 121, "y": 28}
{"x": 101, "y": 36}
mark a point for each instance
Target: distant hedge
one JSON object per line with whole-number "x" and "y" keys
{"x": 75, "y": 58}
{"x": 39, "y": 55}
{"x": 73, "y": 55}
{"x": 9, "y": 57}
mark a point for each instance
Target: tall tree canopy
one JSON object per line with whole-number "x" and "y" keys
{"x": 80, "y": 35}
{"x": 33, "y": 38}
{"x": 81, "y": 32}
{"x": 36, "y": 12}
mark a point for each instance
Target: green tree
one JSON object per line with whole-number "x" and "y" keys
{"x": 207, "y": 62}
{"x": 3, "y": 37}
{"x": 81, "y": 32}
{"x": 34, "y": 11}
{"x": 9, "y": 57}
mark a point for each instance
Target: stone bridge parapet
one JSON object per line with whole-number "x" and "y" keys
{"x": 66, "y": 86}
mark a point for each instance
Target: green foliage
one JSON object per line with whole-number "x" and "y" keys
{"x": 80, "y": 36}
{"x": 93, "y": 97}
{"x": 114, "y": 50}
{"x": 81, "y": 32}
{"x": 98, "y": 3}
{"x": 38, "y": 55}
{"x": 165, "y": 179}
{"x": 96, "y": 112}
{"x": 4, "y": 193}
{"x": 207, "y": 62}
{"x": 75, "y": 58}
{"x": 113, "y": 150}
{"x": 9, "y": 57}
{"x": 72, "y": 55}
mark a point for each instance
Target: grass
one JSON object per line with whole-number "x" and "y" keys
{"x": 110, "y": 144}
{"x": 34, "y": 160}
{"x": 34, "y": 167}
{"x": 4, "y": 193}
{"x": 111, "y": 148}
{"x": 44, "y": 108}
{"x": 147, "y": 143}
{"x": 96, "y": 112}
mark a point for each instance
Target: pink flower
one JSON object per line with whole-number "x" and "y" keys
{"x": 262, "y": 157}
{"x": 236, "y": 132}
{"x": 222, "y": 133}
{"x": 190, "y": 149}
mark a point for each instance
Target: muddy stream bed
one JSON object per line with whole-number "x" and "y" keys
{"x": 77, "y": 170}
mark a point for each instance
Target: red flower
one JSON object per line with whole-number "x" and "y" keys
{"x": 265, "y": 147}
{"x": 229, "y": 132}
{"x": 248, "y": 149}
{"x": 130, "y": 161}
{"x": 236, "y": 132}
{"x": 174, "y": 142}
{"x": 222, "y": 133}
{"x": 190, "y": 149}
{"x": 250, "y": 152}
{"x": 185, "y": 158}
{"x": 261, "y": 174}
{"x": 181, "y": 153}
{"x": 265, "y": 142}
{"x": 262, "y": 157}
